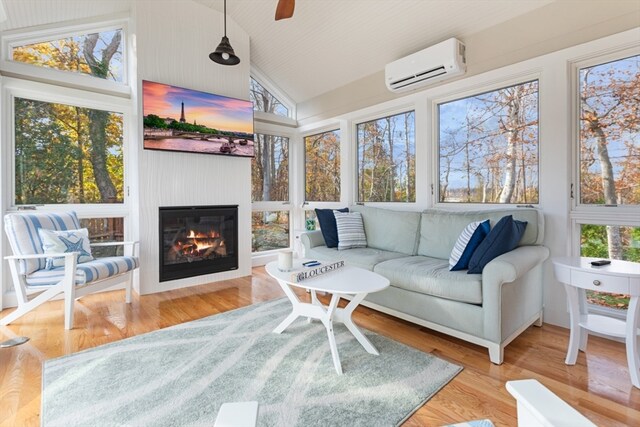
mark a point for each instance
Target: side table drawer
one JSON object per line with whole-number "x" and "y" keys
{"x": 606, "y": 283}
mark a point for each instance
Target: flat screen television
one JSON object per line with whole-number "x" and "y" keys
{"x": 179, "y": 119}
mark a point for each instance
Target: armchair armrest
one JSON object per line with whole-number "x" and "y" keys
{"x": 39, "y": 256}
{"x": 312, "y": 239}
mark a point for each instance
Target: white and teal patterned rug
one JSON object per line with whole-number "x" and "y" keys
{"x": 181, "y": 375}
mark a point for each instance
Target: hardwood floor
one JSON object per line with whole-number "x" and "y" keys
{"x": 598, "y": 385}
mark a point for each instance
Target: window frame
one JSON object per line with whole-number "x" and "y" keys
{"x": 377, "y": 115}
{"x": 266, "y": 83}
{"x": 581, "y": 213}
{"x": 40, "y": 34}
{"x": 13, "y": 88}
{"x": 468, "y": 92}
{"x": 261, "y": 258}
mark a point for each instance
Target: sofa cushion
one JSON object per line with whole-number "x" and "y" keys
{"x": 327, "y": 221}
{"x": 469, "y": 240}
{"x": 395, "y": 231}
{"x": 350, "y": 230}
{"x": 431, "y": 276}
{"x": 504, "y": 237}
{"x": 365, "y": 258}
{"x": 439, "y": 229}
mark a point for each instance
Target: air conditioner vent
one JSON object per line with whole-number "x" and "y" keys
{"x": 433, "y": 64}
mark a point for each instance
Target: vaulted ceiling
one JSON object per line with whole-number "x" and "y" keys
{"x": 329, "y": 43}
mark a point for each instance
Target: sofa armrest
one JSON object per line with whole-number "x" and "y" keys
{"x": 512, "y": 292}
{"x": 514, "y": 264}
{"x": 312, "y": 239}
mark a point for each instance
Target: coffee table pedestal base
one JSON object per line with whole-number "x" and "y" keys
{"x": 327, "y": 315}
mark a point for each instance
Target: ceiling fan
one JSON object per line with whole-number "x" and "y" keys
{"x": 284, "y": 10}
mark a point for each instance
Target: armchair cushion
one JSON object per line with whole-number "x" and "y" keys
{"x": 87, "y": 272}
{"x": 64, "y": 241}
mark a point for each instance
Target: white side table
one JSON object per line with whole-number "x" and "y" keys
{"x": 621, "y": 277}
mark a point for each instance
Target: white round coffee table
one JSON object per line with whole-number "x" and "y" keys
{"x": 342, "y": 281}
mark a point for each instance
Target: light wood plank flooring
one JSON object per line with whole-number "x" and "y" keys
{"x": 598, "y": 385}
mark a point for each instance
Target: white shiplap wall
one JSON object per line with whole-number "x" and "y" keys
{"x": 173, "y": 41}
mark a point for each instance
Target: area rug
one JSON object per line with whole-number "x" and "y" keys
{"x": 180, "y": 376}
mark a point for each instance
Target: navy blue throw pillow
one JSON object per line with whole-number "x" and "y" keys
{"x": 328, "y": 226}
{"x": 502, "y": 238}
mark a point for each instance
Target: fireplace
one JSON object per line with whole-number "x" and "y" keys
{"x": 197, "y": 240}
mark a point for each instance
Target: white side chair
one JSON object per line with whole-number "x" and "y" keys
{"x": 35, "y": 284}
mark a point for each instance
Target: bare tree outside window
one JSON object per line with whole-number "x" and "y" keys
{"x": 270, "y": 169}
{"x": 387, "y": 159}
{"x": 488, "y": 147}
{"x": 610, "y": 139}
{"x": 322, "y": 167}
{"x": 96, "y": 54}
{"x": 264, "y": 101}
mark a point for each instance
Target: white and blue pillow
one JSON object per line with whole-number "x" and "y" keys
{"x": 65, "y": 241}
{"x": 350, "y": 230}
{"x": 468, "y": 241}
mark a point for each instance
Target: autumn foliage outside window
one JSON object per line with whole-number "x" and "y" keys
{"x": 97, "y": 54}
{"x": 609, "y": 156}
{"x": 270, "y": 183}
{"x": 322, "y": 167}
{"x": 387, "y": 159}
{"x": 66, "y": 154}
{"x": 488, "y": 147}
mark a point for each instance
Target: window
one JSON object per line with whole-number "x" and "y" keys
{"x": 270, "y": 230}
{"x": 595, "y": 241}
{"x": 608, "y": 133}
{"x": 65, "y": 154}
{"x": 264, "y": 101}
{"x": 387, "y": 159}
{"x": 322, "y": 167}
{"x": 98, "y": 54}
{"x": 488, "y": 147}
{"x": 270, "y": 169}
{"x": 607, "y": 214}
{"x": 270, "y": 189}
{"x": 105, "y": 230}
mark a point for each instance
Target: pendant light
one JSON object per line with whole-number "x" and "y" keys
{"x": 224, "y": 53}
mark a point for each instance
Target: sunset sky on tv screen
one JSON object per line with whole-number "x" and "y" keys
{"x": 213, "y": 111}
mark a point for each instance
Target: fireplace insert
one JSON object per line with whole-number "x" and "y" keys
{"x": 196, "y": 240}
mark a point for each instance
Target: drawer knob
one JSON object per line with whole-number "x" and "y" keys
{"x": 597, "y": 283}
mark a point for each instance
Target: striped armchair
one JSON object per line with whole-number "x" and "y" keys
{"x": 37, "y": 279}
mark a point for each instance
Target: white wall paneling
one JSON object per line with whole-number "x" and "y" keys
{"x": 173, "y": 42}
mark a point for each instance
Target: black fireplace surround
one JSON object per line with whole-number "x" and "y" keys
{"x": 197, "y": 240}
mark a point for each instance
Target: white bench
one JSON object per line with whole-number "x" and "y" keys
{"x": 540, "y": 407}
{"x": 237, "y": 414}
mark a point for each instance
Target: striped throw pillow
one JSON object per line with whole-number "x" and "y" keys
{"x": 350, "y": 230}
{"x": 468, "y": 241}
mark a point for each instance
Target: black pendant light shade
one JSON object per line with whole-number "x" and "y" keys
{"x": 224, "y": 53}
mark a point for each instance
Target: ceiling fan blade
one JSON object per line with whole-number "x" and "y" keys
{"x": 285, "y": 9}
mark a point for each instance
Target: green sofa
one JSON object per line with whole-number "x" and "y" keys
{"x": 412, "y": 250}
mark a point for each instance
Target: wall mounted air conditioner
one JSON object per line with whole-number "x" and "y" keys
{"x": 433, "y": 64}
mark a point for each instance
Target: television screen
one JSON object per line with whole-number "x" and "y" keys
{"x": 178, "y": 119}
